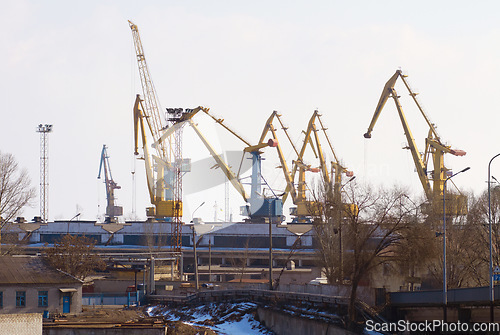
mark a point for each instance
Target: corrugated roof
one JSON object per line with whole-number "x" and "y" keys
{"x": 30, "y": 270}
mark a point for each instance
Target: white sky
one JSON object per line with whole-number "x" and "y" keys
{"x": 72, "y": 64}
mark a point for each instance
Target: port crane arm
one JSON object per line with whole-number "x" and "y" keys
{"x": 220, "y": 163}
{"x": 381, "y": 102}
{"x": 139, "y": 127}
{"x": 151, "y": 103}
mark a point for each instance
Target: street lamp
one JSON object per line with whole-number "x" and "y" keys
{"x": 445, "y": 293}
{"x": 74, "y": 217}
{"x": 192, "y": 219}
{"x": 491, "y": 290}
{"x": 339, "y": 217}
{"x": 194, "y": 250}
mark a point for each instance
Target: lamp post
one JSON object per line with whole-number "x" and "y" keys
{"x": 74, "y": 217}
{"x": 340, "y": 219}
{"x": 445, "y": 293}
{"x": 491, "y": 289}
{"x": 270, "y": 254}
{"x": 194, "y": 251}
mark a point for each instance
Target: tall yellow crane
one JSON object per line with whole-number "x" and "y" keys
{"x": 434, "y": 148}
{"x": 157, "y": 165}
{"x": 164, "y": 169}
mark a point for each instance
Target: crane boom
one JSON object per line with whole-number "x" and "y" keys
{"x": 151, "y": 104}
{"x": 220, "y": 163}
{"x": 188, "y": 118}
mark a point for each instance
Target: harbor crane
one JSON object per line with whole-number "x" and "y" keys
{"x": 159, "y": 167}
{"x": 164, "y": 169}
{"x": 334, "y": 175}
{"x": 112, "y": 211}
{"x": 434, "y": 150}
{"x": 305, "y": 210}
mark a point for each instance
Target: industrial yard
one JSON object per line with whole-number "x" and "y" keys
{"x": 236, "y": 168}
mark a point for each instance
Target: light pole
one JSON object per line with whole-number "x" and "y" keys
{"x": 194, "y": 251}
{"x": 338, "y": 199}
{"x": 445, "y": 293}
{"x": 491, "y": 290}
{"x": 74, "y": 217}
{"x": 270, "y": 254}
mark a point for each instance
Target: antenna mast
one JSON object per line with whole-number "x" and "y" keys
{"x": 44, "y": 130}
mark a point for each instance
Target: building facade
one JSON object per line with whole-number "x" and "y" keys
{"x": 27, "y": 285}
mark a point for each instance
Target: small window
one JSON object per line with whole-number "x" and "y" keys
{"x": 20, "y": 298}
{"x": 43, "y": 298}
{"x": 1, "y": 299}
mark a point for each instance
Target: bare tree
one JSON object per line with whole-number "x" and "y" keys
{"x": 241, "y": 263}
{"x": 417, "y": 249}
{"x": 74, "y": 255}
{"x": 16, "y": 191}
{"x": 371, "y": 231}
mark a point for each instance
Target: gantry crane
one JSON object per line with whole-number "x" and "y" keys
{"x": 112, "y": 211}
{"x": 433, "y": 148}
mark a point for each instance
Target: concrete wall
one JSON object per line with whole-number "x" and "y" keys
{"x": 222, "y": 230}
{"x": 285, "y": 324}
{"x": 26, "y": 324}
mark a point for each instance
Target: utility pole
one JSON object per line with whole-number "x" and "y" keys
{"x": 44, "y": 130}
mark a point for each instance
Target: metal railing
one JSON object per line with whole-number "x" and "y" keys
{"x": 107, "y": 299}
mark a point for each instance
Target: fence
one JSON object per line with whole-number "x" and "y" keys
{"x": 106, "y": 299}
{"x": 364, "y": 293}
{"x": 477, "y": 295}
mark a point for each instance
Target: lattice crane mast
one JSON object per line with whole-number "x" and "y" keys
{"x": 434, "y": 148}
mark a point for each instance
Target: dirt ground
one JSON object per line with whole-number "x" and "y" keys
{"x": 98, "y": 315}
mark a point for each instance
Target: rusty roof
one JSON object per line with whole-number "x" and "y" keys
{"x": 31, "y": 270}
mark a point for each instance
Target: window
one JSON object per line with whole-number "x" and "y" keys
{"x": 1, "y": 299}
{"x": 43, "y": 298}
{"x": 20, "y": 298}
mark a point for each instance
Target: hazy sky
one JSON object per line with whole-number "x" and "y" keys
{"x": 72, "y": 64}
